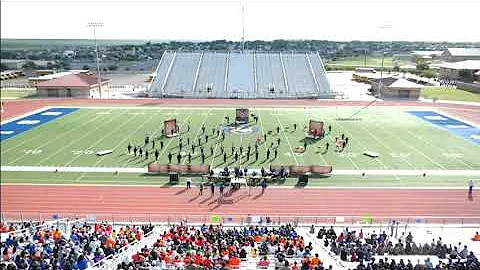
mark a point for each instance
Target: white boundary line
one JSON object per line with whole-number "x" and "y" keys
{"x": 334, "y": 172}
{"x": 102, "y": 138}
{"x": 33, "y": 138}
{"x": 413, "y": 148}
{"x": 53, "y": 140}
{"x": 440, "y": 111}
{"x": 27, "y": 115}
{"x": 132, "y": 186}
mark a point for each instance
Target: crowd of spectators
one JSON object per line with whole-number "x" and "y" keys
{"x": 354, "y": 246}
{"x": 216, "y": 247}
{"x": 50, "y": 248}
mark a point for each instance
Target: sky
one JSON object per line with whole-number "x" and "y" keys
{"x": 340, "y": 20}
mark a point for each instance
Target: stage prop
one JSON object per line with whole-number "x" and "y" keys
{"x": 242, "y": 116}
{"x": 371, "y": 154}
{"x": 104, "y": 152}
{"x": 171, "y": 128}
{"x": 177, "y": 168}
{"x": 315, "y": 129}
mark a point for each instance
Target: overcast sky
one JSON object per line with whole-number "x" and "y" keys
{"x": 425, "y": 20}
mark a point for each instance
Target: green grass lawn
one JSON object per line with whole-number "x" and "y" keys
{"x": 372, "y": 61}
{"x": 402, "y": 140}
{"x": 16, "y": 94}
{"x": 449, "y": 93}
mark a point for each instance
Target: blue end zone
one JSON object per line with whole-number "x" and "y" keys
{"x": 19, "y": 126}
{"x": 455, "y": 126}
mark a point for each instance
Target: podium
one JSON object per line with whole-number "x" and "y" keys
{"x": 173, "y": 178}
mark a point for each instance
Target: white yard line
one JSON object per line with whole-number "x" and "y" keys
{"x": 36, "y": 136}
{"x": 118, "y": 144}
{"x": 198, "y": 133}
{"x": 71, "y": 169}
{"x": 216, "y": 144}
{"x": 54, "y": 140}
{"x": 431, "y": 144}
{"x": 286, "y": 138}
{"x": 309, "y": 114}
{"x": 415, "y": 149}
{"x": 388, "y": 147}
{"x": 102, "y": 138}
{"x": 125, "y": 139}
{"x": 344, "y": 130}
{"x": 162, "y": 152}
{"x": 165, "y": 148}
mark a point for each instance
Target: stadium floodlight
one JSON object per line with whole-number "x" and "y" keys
{"x": 94, "y": 25}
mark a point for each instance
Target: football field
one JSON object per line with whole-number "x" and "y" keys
{"x": 402, "y": 140}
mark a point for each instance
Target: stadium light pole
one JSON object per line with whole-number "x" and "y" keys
{"x": 94, "y": 25}
{"x": 380, "y": 85}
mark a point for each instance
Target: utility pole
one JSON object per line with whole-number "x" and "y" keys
{"x": 243, "y": 29}
{"x": 380, "y": 86}
{"x": 94, "y": 25}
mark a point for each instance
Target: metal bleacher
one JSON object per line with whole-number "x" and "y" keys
{"x": 240, "y": 75}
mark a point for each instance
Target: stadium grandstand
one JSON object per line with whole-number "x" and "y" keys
{"x": 241, "y": 75}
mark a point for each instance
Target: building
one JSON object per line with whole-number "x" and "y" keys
{"x": 396, "y": 88}
{"x": 13, "y": 64}
{"x": 79, "y": 85}
{"x": 461, "y": 54}
{"x": 45, "y": 75}
{"x": 451, "y": 71}
{"x": 426, "y": 55}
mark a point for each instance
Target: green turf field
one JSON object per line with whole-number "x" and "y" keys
{"x": 359, "y": 61}
{"x": 146, "y": 179}
{"x": 449, "y": 93}
{"x": 402, "y": 140}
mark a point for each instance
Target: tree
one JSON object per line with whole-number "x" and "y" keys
{"x": 3, "y": 67}
{"x": 112, "y": 67}
{"x": 396, "y": 68}
{"x": 421, "y": 66}
{"x": 29, "y": 65}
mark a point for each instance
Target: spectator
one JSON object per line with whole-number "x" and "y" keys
{"x": 264, "y": 262}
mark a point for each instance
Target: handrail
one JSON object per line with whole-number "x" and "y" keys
{"x": 325, "y": 72}
{"x": 284, "y": 73}
{"x": 168, "y": 73}
{"x": 196, "y": 74}
{"x": 127, "y": 251}
{"x": 313, "y": 73}
{"x": 156, "y": 72}
{"x": 255, "y": 84}
{"x": 226, "y": 73}
{"x": 277, "y": 219}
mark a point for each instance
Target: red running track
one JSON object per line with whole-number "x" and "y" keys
{"x": 125, "y": 202}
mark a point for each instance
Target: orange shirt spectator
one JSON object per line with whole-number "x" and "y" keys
{"x": 315, "y": 261}
{"x": 110, "y": 242}
{"x": 57, "y": 235}
{"x": 476, "y": 237}
{"x": 234, "y": 262}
